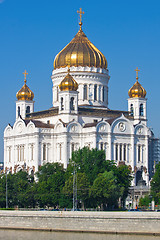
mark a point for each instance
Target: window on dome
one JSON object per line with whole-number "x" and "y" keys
{"x": 103, "y": 94}
{"x": 131, "y": 110}
{"x": 62, "y": 106}
{"x": 28, "y": 109}
{"x": 141, "y": 110}
{"x": 18, "y": 111}
{"x": 85, "y": 92}
{"x": 72, "y": 103}
{"x": 95, "y": 92}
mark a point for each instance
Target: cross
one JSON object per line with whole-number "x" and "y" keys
{"x": 80, "y": 14}
{"x": 25, "y": 74}
{"x": 137, "y": 70}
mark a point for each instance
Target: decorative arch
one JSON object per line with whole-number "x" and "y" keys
{"x": 122, "y": 125}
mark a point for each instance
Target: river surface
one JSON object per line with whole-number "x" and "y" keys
{"x": 38, "y": 235}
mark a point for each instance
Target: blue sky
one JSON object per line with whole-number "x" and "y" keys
{"x": 32, "y": 32}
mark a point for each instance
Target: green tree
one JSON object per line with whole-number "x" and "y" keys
{"x": 2, "y": 191}
{"x": 82, "y": 188}
{"x": 22, "y": 184}
{"x": 155, "y": 185}
{"x": 106, "y": 190}
{"x": 51, "y": 179}
{"x": 124, "y": 179}
{"x": 144, "y": 201}
{"x": 91, "y": 162}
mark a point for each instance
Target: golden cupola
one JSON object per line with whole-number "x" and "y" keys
{"x": 137, "y": 91}
{"x": 68, "y": 83}
{"x": 80, "y": 52}
{"x": 25, "y": 93}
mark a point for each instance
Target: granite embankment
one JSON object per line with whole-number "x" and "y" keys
{"x": 98, "y": 222}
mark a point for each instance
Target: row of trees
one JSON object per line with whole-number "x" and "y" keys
{"x": 98, "y": 183}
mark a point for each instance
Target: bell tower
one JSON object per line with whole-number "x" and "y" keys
{"x": 24, "y": 103}
{"x": 137, "y": 103}
{"x": 68, "y": 97}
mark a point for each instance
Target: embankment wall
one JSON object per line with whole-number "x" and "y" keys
{"x": 98, "y": 222}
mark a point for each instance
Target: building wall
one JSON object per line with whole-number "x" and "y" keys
{"x": 26, "y": 146}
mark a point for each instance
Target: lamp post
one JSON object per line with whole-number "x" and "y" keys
{"x": 6, "y": 191}
{"x": 74, "y": 189}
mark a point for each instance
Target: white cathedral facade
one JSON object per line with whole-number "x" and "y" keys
{"x": 79, "y": 117}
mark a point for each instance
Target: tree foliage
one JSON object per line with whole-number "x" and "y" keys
{"x": 155, "y": 185}
{"x": 98, "y": 182}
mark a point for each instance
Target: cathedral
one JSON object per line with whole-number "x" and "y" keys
{"x": 80, "y": 116}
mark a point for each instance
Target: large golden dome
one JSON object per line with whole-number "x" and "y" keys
{"x": 25, "y": 93}
{"x": 137, "y": 90}
{"x": 80, "y": 52}
{"x": 68, "y": 83}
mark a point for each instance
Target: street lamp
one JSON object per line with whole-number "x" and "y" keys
{"x": 6, "y": 189}
{"x": 74, "y": 189}
{"x": 6, "y": 192}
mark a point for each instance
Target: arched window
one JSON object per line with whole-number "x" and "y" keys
{"x": 18, "y": 111}
{"x": 60, "y": 151}
{"x": 120, "y": 151}
{"x": 139, "y": 153}
{"x": 85, "y": 92}
{"x": 72, "y": 103}
{"x": 28, "y": 109}
{"x": 131, "y": 110}
{"x": 44, "y": 151}
{"x": 95, "y": 92}
{"x": 141, "y": 110}
{"x": 116, "y": 152}
{"x": 62, "y": 106}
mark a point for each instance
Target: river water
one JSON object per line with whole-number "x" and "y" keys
{"x": 38, "y": 235}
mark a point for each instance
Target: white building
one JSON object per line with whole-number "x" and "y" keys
{"x": 80, "y": 117}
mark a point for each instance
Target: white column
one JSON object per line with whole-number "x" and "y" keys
{"x": 64, "y": 152}
{"x": 118, "y": 152}
{"x": 98, "y": 93}
{"x": 132, "y": 156}
{"x": 136, "y": 155}
{"x": 147, "y": 165}
{"x": 36, "y": 155}
{"x": 46, "y": 152}
{"x": 80, "y": 90}
{"x": 127, "y": 152}
{"x": 122, "y": 152}
{"x": 109, "y": 148}
{"x": 114, "y": 150}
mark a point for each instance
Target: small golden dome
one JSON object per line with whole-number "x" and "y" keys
{"x": 137, "y": 90}
{"x": 68, "y": 83}
{"x": 80, "y": 52}
{"x": 25, "y": 93}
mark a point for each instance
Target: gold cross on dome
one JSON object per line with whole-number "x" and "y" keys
{"x": 80, "y": 15}
{"x": 25, "y": 74}
{"x": 137, "y": 70}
